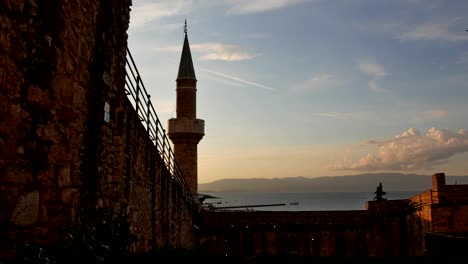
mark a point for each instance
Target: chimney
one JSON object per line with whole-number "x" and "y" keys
{"x": 438, "y": 182}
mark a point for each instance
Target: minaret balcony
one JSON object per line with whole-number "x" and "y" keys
{"x": 186, "y": 125}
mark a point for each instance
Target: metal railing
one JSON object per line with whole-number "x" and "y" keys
{"x": 140, "y": 100}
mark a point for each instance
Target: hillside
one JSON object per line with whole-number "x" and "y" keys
{"x": 348, "y": 183}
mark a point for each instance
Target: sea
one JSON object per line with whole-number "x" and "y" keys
{"x": 308, "y": 201}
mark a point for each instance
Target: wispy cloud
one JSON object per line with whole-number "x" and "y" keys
{"x": 464, "y": 57}
{"x": 224, "y": 81}
{"x": 409, "y": 150}
{"x": 373, "y": 69}
{"x": 237, "y": 79}
{"x": 376, "y": 71}
{"x": 444, "y": 30}
{"x": 255, "y": 35}
{"x": 145, "y": 12}
{"x": 318, "y": 82}
{"x": 214, "y": 51}
{"x": 336, "y": 115}
{"x": 171, "y": 48}
{"x": 240, "y": 7}
{"x": 435, "y": 114}
{"x": 418, "y": 118}
{"x": 220, "y": 51}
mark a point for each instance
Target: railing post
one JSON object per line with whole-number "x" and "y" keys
{"x": 137, "y": 99}
{"x": 171, "y": 158}
{"x": 157, "y": 133}
{"x": 148, "y": 104}
{"x": 163, "y": 154}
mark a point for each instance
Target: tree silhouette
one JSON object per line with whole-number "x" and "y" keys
{"x": 379, "y": 193}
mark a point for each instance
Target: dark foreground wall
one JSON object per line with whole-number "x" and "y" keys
{"x": 70, "y": 140}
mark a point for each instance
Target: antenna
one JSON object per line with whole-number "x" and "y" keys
{"x": 185, "y": 27}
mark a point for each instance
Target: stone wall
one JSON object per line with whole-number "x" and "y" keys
{"x": 441, "y": 209}
{"x": 48, "y": 49}
{"x": 69, "y": 138}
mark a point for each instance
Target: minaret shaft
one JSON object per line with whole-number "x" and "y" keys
{"x": 186, "y": 130}
{"x": 186, "y": 106}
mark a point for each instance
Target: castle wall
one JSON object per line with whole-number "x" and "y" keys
{"x": 69, "y": 138}
{"x": 47, "y": 52}
{"x": 441, "y": 209}
{"x": 450, "y": 212}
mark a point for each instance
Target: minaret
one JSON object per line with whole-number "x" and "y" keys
{"x": 186, "y": 130}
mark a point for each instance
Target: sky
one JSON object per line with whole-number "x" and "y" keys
{"x": 314, "y": 88}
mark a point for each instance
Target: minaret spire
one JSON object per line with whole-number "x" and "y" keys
{"x": 186, "y": 69}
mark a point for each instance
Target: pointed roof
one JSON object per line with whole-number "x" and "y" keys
{"x": 186, "y": 69}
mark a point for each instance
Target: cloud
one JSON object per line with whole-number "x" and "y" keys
{"x": 409, "y": 150}
{"x": 426, "y": 117}
{"x": 172, "y": 48}
{"x": 240, "y": 7}
{"x": 255, "y": 35}
{"x": 435, "y": 114}
{"x": 376, "y": 71}
{"x": 319, "y": 81}
{"x": 239, "y": 80}
{"x": 373, "y": 69}
{"x": 336, "y": 115}
{"x": 144, "y": 13}
{"x": 214, "y": 51}
{"x": 436, "y": 30}
{"x": 220, "y": 51}
{"x": 464, "y": 57}
{"x": 224, "y": 81}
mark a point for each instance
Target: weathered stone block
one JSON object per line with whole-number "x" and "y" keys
{"x": 63, "y": 88}
{"x": 79, "y": 95}
{"x": 59, "y": 154}
{"x": 64, "y": 178}
{"x": 66, "y": 114}
{"x": 70, "y": 195}
{"x": 32, "y": 7}
{"x": 26, "y": 211}
{"x": 19, "y": 150}
{"x": 48, "y": 133}
{"x": 43, "y": 215}
{"x": 9, "y": 79}
{"x": 41, "y": 231}
{"x": 37, "y": 98}
{"x": 2, "y": 149}
{"x": 83, "y": 49}
{"x": 73, "y": 213}
{"x": 15, "y": 173}
{"x": 16, "y": 5}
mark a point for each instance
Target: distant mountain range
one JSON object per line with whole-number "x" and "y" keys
{"x": 348, "y": 183}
